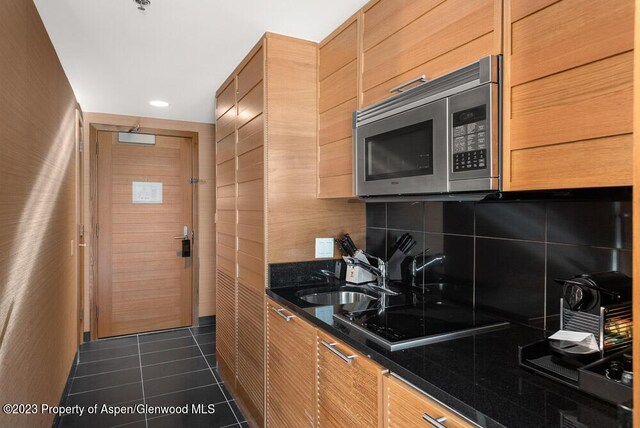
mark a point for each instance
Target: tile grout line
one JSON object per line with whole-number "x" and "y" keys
{"x": 143, "y": 353}
{"x": 102, "y": 389}
{"x": 144, "y": 400}
{"x": 130, "y": 368}
{"x": 216, "y": 378}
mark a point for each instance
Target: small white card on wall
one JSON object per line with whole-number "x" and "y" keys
{"x": 144, "y": 192}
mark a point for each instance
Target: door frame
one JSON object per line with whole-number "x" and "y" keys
{"x": 80, "y": 246}
{"x": 93, "y": 214}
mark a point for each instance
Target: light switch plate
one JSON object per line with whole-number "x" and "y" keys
{"x": 324, "y": 248}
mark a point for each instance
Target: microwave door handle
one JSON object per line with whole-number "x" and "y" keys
{"x": 400, "y": 88}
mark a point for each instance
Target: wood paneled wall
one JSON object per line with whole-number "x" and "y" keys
{"x": 206, "y": 200}
{"x": 38, "y": 287}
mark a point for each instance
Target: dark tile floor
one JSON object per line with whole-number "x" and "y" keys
{"x": 169, "y": 368}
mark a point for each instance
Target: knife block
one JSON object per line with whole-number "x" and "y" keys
{"x": 357, "y": 275}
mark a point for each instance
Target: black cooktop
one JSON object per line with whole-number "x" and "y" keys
{"x": 419, "y": 323}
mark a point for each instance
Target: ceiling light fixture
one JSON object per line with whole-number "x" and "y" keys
{"x": 159, "y": 103}
{"x": 142, "y": 4}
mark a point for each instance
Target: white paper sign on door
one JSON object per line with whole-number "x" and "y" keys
{"x": 144, "y": 192}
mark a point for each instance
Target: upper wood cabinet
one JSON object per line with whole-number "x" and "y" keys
{"x": 291, "y": 369}
{"x": 568, "y": 93}
{"x": 349, "y": 386}
{"x": 402, "y": 40}
{"x": 386, "y": 44}
{"x": 338, "y": 98}
{"x": 407, "y": 406}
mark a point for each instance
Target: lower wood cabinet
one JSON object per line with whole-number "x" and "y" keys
{"x": 349, "y": 386}
{"x": 407, "y": 406}
{"x": 291, "y": 368}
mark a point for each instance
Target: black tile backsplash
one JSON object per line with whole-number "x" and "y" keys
{"x": 505, "y": 255}
{"x": 510, "y": 277}
{"x": 590, "y": 223}
{"x": 512, "y": 220}
{"x": 449, "y": 217}
{"x": 405, "y": 216}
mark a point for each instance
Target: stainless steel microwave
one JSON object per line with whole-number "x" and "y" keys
{"x": 442, "y": 136}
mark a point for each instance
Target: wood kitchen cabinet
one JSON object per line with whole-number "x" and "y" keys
{"x": 291, "y": 369}
{"x": 568, "y": 94}
{"x": 402, "y": 40}
{"x": 267, "y": 207}
{"x": 406, "y": 406}
{"x": 349, "y": 386}
{"x": 386, "y": 44}
{"x": 338, "y": 73}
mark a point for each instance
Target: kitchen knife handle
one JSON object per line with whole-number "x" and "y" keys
{"x": 437, "y": 423}
{"x": 331, "y": 347}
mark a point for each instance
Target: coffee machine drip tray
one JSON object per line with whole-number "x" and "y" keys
{"x": 547, "y": 363}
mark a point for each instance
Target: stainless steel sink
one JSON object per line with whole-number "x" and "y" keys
{"x": 337, "y": 297}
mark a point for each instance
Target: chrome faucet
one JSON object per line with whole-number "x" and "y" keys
{"x": 427, "y": 262}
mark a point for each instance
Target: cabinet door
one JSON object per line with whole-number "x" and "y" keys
{"x": 291, "y": 363}
{"x": 403, "y": 40}
{"x": 226, "y": 325}
{"x": 349, "y": 387}
{"x": 338, "y": 99}
{"x": 226, "y": 232}
{"x": 568, "y": 94}
{"x": 250, "y": 369}
{"x": 408, "y": 407}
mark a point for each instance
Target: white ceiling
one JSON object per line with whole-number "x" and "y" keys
{"x": 118, "y": 58}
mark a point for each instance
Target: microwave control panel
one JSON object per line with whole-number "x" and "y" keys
{"x": 470, "y": 139}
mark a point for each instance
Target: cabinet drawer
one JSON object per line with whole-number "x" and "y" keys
{"x": 407, "y": 406}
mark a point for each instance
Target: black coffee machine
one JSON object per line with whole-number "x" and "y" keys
{"x": 596, "y": 303}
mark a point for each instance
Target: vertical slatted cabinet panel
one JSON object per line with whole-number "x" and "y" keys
{"x": 349, "y": 386}
{"x": 250, "y": 228}
{"x": 568, "y": 93}
{"x": 409, "y": 407}
{"x": 403, "y": 40}
{"x": 226, "y": 232}
{"x": 291, "y": 367}
{"x": 338, "y": 99}
{"x": 226, "y": 326}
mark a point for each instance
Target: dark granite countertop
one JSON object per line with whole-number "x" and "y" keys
{"x": 478, "y": 376}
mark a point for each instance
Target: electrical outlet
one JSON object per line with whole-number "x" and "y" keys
{"x": 324, "y": 248}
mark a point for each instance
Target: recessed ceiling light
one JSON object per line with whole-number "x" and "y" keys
{"x": 158, "y": 103}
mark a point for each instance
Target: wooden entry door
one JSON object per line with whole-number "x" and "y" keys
{"x": 144, "y": 283}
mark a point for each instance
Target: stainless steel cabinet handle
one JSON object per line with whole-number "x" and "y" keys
{"x": 280, "y": 311}
{"x": 438, "y": 423}
{"x": 399, "y": 88}
{"x": 331, "y": 347}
